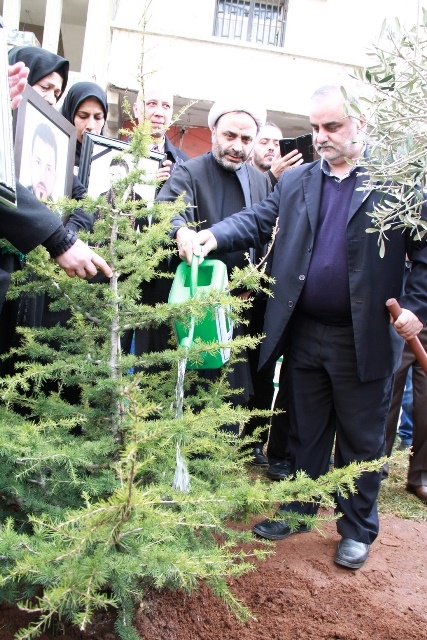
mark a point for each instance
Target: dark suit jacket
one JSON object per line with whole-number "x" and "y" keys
{"x": 372, "y": 279}
{"x": 174, "y": 154}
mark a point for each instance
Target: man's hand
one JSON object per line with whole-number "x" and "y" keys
{"x": 164, "y": 171}
{"x": 190, "y": 242}
{"x": 207, "y": 242}
{"x": 18, "y": 74}
{"x": 82, "y": 262}
{"x": 187, "y": 243}
{"x": 407, "y": 325}
{"x": 290, "y": 160}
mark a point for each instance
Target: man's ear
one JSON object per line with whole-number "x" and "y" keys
{"x": 135, "y": 110}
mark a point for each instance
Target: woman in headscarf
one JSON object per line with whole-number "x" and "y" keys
{"x": 86, "y": 107}
{"x": 48, "y": 76}
{"x": 48, "y": 71}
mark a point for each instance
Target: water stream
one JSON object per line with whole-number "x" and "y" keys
{"x": 181, "y": 480}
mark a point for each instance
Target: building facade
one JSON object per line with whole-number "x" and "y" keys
{"x": 278, "y": 51}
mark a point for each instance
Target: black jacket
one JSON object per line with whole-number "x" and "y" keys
{"x": 372, "y": 279}
{"x": 25, "y": 227}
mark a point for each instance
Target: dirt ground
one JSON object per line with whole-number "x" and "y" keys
{"x": 298, "y": 593}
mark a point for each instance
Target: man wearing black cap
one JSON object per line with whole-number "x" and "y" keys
{"x": 216, "y": 183}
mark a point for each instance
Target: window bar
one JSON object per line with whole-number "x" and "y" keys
{"x": 250, "y": 20}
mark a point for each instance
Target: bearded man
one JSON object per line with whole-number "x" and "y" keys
{"x": 220, "y": 182}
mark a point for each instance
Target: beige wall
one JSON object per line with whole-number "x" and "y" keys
{"x": 210, "y": 69}
{"x": 342, "y": 30}
{"x": 325, "y": 40}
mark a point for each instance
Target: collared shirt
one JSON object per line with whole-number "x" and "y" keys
{"x": 159, "y": 147}
{"x": 324, "y": 165}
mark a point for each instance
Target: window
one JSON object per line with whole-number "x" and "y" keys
{"x": 251, "y": 21}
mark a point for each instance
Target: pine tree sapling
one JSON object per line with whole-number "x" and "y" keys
{"x": 90, "y": 516}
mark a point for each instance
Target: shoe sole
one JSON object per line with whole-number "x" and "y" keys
{"x": 273, "y": 476}
{"x": 350, "y": 565}
{"x": 279, "y": 537}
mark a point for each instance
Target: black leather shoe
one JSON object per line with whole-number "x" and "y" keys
{"x": 279, "y": 470}
{"x": 351, "y": 553}
{"x": 277, "y": 529}
{"x": 420, "y": 491}
{"x": 259, "y": 458}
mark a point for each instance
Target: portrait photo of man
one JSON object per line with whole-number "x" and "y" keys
{"x": 44, "y": 149}
{"x": 44, "y": 156}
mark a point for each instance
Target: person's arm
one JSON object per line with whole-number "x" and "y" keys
{"x": 414, "y": 300}
{"x": 179, "y": 183}
{"x": 79, "y": 220}
{"x": 234, "y": 233}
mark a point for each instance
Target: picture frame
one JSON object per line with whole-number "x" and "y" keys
{"x": 45, "y": 148}
{"x": 95, "y": 159}
{"x": 7, "y": 161}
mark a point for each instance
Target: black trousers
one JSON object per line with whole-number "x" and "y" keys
{"x": 327, "y": 398}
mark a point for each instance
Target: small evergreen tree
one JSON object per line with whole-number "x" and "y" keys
{"x": 95, "y": 445}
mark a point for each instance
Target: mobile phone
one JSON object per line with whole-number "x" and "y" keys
{"x": 303, "y": 144}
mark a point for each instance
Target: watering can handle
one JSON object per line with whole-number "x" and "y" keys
{"x": 194, "y": 272}
{"x": 194, "y": 275}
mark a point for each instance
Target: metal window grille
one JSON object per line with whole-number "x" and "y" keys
{"x": 251, "y": 21}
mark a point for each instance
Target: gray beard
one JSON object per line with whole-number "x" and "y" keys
{"x": 222, "y": 161}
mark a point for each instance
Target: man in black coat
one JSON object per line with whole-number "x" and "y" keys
{"x": 220, "y": 182}
{"x": 331, "y": 287}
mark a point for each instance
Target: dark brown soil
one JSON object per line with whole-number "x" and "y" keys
{"x": 298, "y": 593}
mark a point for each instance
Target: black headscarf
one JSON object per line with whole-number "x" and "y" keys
{"x": 77, "y": 94}
{"x": 41, "y": 63}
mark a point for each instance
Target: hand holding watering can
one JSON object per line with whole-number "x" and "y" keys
{"x": 199, "y": 244}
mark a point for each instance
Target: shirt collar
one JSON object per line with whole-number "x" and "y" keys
{"x": 324, "y": 165}
{"x": 158, "y": 146}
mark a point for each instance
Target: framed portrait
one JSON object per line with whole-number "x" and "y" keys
{"x": 45, "y": 148}
{"x": 104, "y": 160}
{"x": 7, "y": 165}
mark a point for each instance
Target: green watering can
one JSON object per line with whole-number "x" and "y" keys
{"x": 216, "y": 326}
